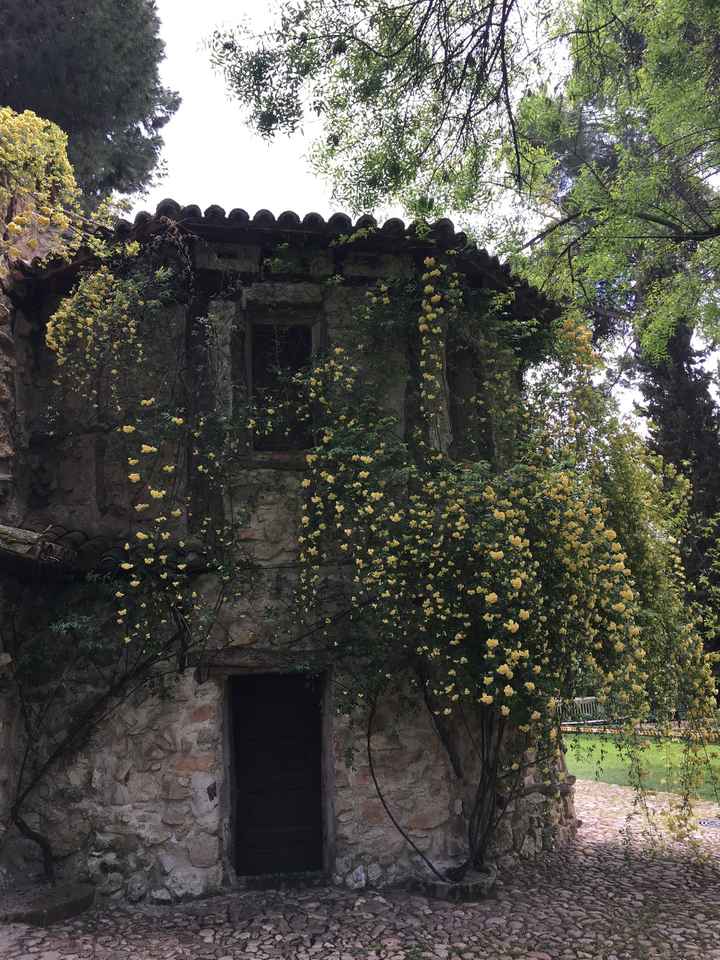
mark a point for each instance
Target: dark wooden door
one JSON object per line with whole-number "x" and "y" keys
{"x": 277, "y": 758}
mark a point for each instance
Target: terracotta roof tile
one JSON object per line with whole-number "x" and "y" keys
{"x": 442, "y": 231}
{"x": 238, "y": 225}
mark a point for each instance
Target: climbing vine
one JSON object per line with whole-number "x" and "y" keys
{"x": 501, "y": 586}
{"x": 40, "y": 212}
{"x": 500, "y": 546}
{"x": 153, "y": 597}
{"x": 129, "y": 371}
{"x": 37, "y": 185}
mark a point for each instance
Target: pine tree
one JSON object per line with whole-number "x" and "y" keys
{"x": 91, "y": 66}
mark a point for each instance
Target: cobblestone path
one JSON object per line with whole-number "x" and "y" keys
{"x": 600, "y": 898}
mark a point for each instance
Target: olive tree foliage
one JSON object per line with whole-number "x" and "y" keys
{"x": 91, "y": 66}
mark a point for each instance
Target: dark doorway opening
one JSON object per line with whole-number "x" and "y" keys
{"x": 277, "y": 757}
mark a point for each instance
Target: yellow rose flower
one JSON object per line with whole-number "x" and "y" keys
{"x": 134, "y": 477}
{"x": 127, "y": 428}
{"x": 491, "y": 598}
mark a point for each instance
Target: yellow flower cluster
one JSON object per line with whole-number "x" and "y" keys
{"x": 94, "y": 328}
{"x": 38, "y": 193}
{"x": 514, "y": 594}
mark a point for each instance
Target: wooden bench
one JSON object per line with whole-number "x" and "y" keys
{"x": 582, "y": 710}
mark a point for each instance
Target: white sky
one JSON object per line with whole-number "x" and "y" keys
{"x": 210, "y": 154}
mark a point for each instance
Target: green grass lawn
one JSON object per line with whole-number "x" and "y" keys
{"x": 597, "y": 757}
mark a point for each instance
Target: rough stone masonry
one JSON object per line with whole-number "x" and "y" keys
{"x": 146, "y": 809}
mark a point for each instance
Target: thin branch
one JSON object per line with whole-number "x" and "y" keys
{"x": 383, "y": 801}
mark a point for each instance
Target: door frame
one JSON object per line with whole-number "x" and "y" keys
{"x": 228, "y": 793}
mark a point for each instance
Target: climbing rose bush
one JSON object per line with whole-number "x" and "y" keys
{"x": 502, "y": 587}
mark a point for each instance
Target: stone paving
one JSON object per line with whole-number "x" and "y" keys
{"x": 606, "y": 897}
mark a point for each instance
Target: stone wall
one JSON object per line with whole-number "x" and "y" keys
{"x": 137, "y": 810}
{"x": 144, "y": 808}
{"x": 428, "y": 800}
{"x": 8, "y": 706}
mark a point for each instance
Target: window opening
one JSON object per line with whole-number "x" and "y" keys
{"x": 277, "y": 352}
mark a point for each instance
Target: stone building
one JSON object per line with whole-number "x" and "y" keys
{"x": 246, "y": 769}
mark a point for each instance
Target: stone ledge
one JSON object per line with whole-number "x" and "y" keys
{"x": 47, "y": 905}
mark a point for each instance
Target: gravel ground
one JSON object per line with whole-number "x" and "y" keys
{"x": 606, "y": 897}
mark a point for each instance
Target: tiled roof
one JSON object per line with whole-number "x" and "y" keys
{"x": 394, "y": 236}
{"x": 237, "y": 225}
{"x": 442, "y": 232}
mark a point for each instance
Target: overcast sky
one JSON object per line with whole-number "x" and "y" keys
{"x": 210, "y": 154}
